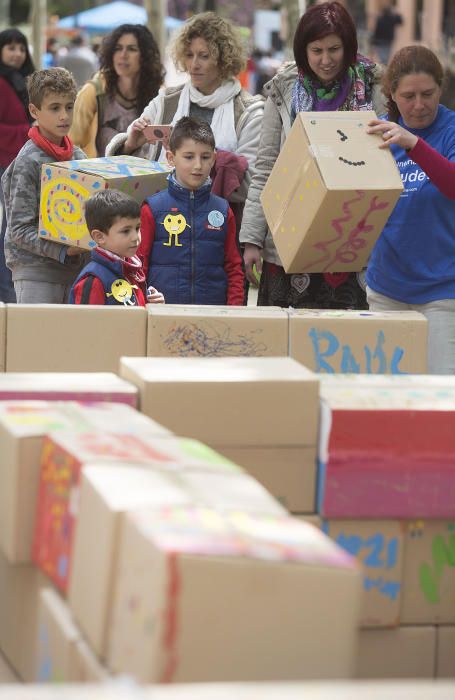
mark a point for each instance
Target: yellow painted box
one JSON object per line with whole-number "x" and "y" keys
{"x": 66, "y": 186}
{"x": 330, "y": 193}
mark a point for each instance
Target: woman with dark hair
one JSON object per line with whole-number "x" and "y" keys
{"x": 328, "y": 75}
{"x": 15, "y": 65}
{"x": 412, "y": 265}
{"x": 130, "y": 76}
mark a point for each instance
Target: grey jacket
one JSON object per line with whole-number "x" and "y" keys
{"x": 28, "y": 256}
{"x": 276, "y": 125}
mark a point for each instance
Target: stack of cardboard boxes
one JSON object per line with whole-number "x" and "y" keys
{"x": 386, "y": 493}
{"x": 168, "y": 554}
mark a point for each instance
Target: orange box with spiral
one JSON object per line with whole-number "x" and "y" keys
{"x": 67, "y": 185}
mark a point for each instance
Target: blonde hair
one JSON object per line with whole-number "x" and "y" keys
{"x": 223, "y": 42}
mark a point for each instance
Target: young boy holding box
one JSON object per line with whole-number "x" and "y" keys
{"x": 42, "y": 270}
{"x": 114, "y": 276}
{"x": 189, "y": 244}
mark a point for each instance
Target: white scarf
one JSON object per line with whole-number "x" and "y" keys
{"x": 222, "y": 101}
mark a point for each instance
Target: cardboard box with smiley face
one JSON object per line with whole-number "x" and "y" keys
{"x": 66, "y": 186}
{"x": 330, "y": 193}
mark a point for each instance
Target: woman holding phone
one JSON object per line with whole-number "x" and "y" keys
{"x": 206, "y": 48}
{"x": 131, "y": 74}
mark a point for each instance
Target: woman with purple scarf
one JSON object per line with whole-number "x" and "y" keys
{"x": 328, "y": 75}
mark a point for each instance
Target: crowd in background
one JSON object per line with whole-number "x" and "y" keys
{"x": 413, "y": 264}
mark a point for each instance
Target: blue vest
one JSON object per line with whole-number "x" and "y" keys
{"x": 187, "y": 256}
{"x": 117, "y": 290}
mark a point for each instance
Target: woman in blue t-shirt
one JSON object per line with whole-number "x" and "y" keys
{"x": 413, "y": 263}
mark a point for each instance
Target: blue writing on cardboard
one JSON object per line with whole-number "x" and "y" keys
{"x": 326, "y": 347}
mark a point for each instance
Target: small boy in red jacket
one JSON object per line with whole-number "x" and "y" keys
{"x": 114, "y": 276}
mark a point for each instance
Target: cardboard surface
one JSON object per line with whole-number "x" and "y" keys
{"x": 220, "y": 331}
{"x": 105, "y": 493}
{"x": 445, "y": 658}
{"x": 20, "y": 586}
{"x": 65, "y": 186}
{"x": 289, "y": 473}
{"x": 330, "y": 193}
{"x": 232, "y": 581}
{"x": 23, "y": 425}
{"x": 7, "y": 675}
{"x": 72, "y": 338}
{"x": 66, "y": 386}
{"x": 62, "y": 458}
{"x": 404, "y": 652}
{"x": 57, "y": 636}
{"x": 429, "y": 573}
{"x": 312, "y": 690}
{"x": 209, "y": 398}
{"x": 63, "y": 655}
{"x": 378, "y": 547}
{"x": 387, "y": 450}
{"x": 389, "y": 342}
{"x": 2, "y": 337}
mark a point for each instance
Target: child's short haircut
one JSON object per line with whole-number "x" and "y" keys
{"x": 191, "y": 128}
{"x": 42, "y": 82}
{"x": 105, "y": 207}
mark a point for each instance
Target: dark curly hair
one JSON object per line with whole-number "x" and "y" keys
{"x": 14, "y": 36}
{"x": 151, "y": 74}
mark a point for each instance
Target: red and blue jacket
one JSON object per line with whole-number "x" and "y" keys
{"x": 108, "y": 279}
{"x": 189, "y": 246}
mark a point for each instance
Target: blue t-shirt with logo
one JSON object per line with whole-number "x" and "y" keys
{"x": 413, "y": 260}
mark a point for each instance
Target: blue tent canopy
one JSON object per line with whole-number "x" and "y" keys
{"x": 106, "y": 17}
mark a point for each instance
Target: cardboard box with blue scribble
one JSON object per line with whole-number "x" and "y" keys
{"x": 66, "y": 186}
{"x": 359, "y": 342}
{"x": 216, "y": 331}
{"x": 330, "y": 193}
{"x": 378, "y": 546}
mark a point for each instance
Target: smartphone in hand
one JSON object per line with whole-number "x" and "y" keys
{"x": 158, "y": 132}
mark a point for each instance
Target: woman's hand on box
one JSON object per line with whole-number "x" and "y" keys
{"x": 392, "y": 134}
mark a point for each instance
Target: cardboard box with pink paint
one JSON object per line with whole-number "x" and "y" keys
{"x": 23, "y": 426}
{"x": 109, "y": 491}
{"x": 67, "y": 386}
{"x": 330, "y": 193}
{"x": 387, "y": 447}
{"x": 67, "y": 185}
{"x": 265, "y": 599}
{"x": 63, "y": 456}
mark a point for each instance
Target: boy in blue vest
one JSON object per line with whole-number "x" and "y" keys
{"x": 189, "y": 245}
{"x": 114, "y": 276}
